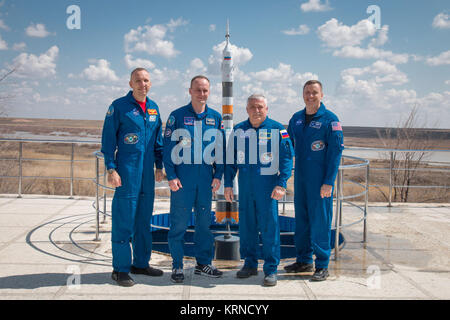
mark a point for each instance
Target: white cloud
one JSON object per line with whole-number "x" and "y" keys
{"x": 315, "y": 6}
{"x": 100, "y": 72}
{"x": 152, "y": 39}
{"x": 348, "y": 41}
{"x": 37, "y": 30}
{"x": 382, "y": 37}
{"x": 240, "y": 57}
{"x": 370, "y": 53}
{"x": 378, "y": 73}
{"x": 301, "y": 30}
{"x": 282, "y": 74}
{"x": 19, "y": 46}
{"x": 3, "y": 44}
{"x": 197, "y": 66}
{"x": 30, "y": 65}
{"x": 335, "y": 34}
{"x": 441, "y": 21}
{"x": 443, "y": 58}
{"x": 3, "y": 25}
{"x": 173, "y": 24}
{"x": 138, "y": 63}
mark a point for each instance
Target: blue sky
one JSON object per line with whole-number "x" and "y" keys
{"x": 373, "y": 70}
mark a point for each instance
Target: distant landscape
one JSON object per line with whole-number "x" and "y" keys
{"x": 89, "y": 131}
{"x": 60, "y": 128}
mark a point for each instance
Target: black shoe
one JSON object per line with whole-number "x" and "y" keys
{"x": 298, "y": 267}
{"x": 208, "y": 270}
{"x": 122, "y": 279}
{"x": 247, "y": 272}
{"x": 320, "y": 274}
{"x": 149, "y": 271}
{"x": 177, "y": 276}
{"x": 270, "y": 280}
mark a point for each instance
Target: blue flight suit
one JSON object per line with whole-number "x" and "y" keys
{"x": 266, "y": 162}
{"x": 137, "y": 136}
{"x": 185, "y": 137}
{"x": 318, "y": 150}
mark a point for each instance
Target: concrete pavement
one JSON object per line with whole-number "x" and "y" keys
{"x": 47, "y": 251}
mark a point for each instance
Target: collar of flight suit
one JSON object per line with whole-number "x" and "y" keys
{"x": 204, "y": 114}
{"x": 263, "y": 124}
{"x": 319, "y": 113}
{"x": 133, "y": 101}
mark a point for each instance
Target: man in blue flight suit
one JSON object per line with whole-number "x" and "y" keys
{"x": 133, "y": 127}
{"x": 194, "y": 173}
{"x": 318, "y": 142}
{"x": 262, "y": 153}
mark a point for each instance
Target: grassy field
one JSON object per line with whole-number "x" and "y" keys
{"x": 37, "y": 166}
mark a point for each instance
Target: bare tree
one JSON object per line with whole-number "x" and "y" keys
{"x": 408, "y": 135}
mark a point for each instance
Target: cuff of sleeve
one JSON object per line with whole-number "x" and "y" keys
{"x": 281, "y": 184}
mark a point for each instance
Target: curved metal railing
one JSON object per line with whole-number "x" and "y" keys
{"x": 340, "y": 198}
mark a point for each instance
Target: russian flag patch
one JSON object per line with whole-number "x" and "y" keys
{"x": 284, "y": 134}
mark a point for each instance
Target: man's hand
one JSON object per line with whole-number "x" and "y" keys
{"x": 215, "y": 185}
{"x": 175, "y": 184}
{"x": 114, "y": 179}
{"x": 278, "y": 193}
{"x": 228, "y": 193}
{"x": 159, "y": 175}
{"x": 325, "y": 191}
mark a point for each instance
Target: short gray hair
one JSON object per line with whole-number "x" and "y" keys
{"x": 257, "y": 96}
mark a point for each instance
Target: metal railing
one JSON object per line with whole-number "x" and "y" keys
{"x": 391, "y": 153}
{"x": 21, "y": 159}
{"x": 339, "y": 196}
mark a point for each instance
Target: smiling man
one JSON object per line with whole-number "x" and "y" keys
{"x": 132, "y": 127}
{"x": 192, "y": 182}
{"x": 316, "y": 134}
{"x": 259, "y": 188}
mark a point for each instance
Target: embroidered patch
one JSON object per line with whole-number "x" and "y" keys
{"x": 152, "y": 118}
{"x": 317, "y": 145}
{"x": 336, "y": 126}
{"x": 266, "y": 158}
{"x": 299, "y": 122}
{"x": 284, "y": 134}
{"x": 152, "y": 112}
{"x": 171, "y": 121}
{"x": 168, "y": 133}
{"x": 210, "y": 122}
{"x": 264, "y": 134}
{"x": 315, "y": 124}
{"x": 135, "y": 112}
{"x": 188, "y": 121}
{"x": 110, "y": 111}
{"x": 131, "y": 138}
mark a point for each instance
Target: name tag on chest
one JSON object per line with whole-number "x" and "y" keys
{"x": 315, "y": 124}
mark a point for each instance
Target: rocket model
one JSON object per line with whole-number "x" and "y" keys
{"x": 225, "y": 211}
